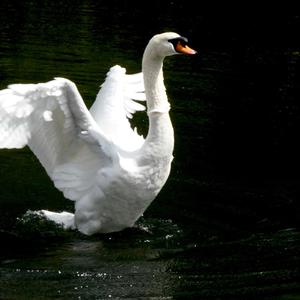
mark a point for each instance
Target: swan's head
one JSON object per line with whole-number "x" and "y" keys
{"x": 169, "y": 43}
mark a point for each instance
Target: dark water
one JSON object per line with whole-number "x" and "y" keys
{"x": 226, "y": 225}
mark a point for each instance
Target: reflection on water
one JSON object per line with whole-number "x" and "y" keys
{"x": 232, "y": 192}
{"x": 120, "y": 265}
{"x": 157, "y": 262}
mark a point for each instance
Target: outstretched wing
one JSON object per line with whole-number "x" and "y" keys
{"x": 52, "y": 119}
{"x": 115, "y": 104}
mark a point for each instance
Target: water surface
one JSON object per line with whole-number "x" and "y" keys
{"x": 227, "y": 222}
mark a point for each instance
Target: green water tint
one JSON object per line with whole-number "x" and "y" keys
{"x": 226, "y": 225}
{"x": 156, "y": 260}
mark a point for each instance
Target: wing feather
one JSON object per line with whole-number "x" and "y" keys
{"x": 52, "y": 119}
{"x": 115, "y": 104}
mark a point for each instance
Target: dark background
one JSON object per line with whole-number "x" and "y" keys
{"x": 235, "y": 110}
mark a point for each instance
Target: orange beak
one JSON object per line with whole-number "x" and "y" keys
{"x": 185, "y": 49}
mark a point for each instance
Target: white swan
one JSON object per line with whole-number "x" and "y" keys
{"x": 94, "y": 157}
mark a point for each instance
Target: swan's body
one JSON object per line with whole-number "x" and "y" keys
{"x": 94, "y": 157}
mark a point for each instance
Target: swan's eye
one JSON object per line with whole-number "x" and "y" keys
{"x": 180, "y": 40}
{"x": 180, "y": 45}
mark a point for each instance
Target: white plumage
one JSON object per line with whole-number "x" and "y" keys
{"x": 94, "y": 156}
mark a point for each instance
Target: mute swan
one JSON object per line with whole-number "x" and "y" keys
{"x": 93, "y": 156}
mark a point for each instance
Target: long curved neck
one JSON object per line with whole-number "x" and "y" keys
{"x": 160, "y": 137}
{"x": 157, "y": 100}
